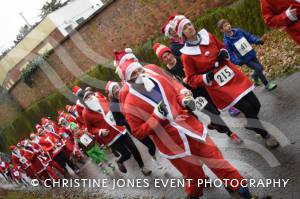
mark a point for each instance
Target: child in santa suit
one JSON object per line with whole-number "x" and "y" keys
{"x": 154, "y": 107}
{"x": 283, "y": 14}
{"x": 206, "y": 63}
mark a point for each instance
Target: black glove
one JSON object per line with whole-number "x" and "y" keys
{"x": 189, "y": 103}
{"x": 261, "y": 42}
{"x": 223, "y": 56}
{"x": 162, "y": 108}
{"x": 209, "y": 76}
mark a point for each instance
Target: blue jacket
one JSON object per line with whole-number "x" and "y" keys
{"x": 235, "y": 55}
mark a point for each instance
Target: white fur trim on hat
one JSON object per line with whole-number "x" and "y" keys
{"x": 290, "y": 16}
{"x": 157, "y": 52}
{"x": 167, "y": 29}
{"x": 132, "y": 67}
{"x": 110, "y": 87}
{"x": 181, "y": 24}
{"x": 127, "y": 57}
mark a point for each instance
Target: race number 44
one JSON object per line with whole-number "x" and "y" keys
{"x": 223, "y": 76}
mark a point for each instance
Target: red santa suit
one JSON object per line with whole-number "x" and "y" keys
{"x": 79, "y": 108}
{"x": 276, "y": 14}
{"x": 95, "y": 121}
{"x": 68, "y": 138}
{"x": 47, "y": 162}
{"x": 179, "y": 136}
{"x": 198, "y": 60}
{"x": 19, "y": 160}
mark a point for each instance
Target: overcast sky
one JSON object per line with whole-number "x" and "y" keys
{"x": 11, "y": 20}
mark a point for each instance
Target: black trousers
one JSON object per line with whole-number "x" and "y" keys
{"x": 212, "y": 111}
{"x": 62, "y": 159}
{"x": 125, "y": 147}
{"x": 250, "y": 106}
{"x": 150, "y": 145}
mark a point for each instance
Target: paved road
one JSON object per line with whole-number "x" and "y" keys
{"x": 281, "y": 115}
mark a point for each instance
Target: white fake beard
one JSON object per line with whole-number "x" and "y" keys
{"x": 93, "y": 104}
{"x": 144, "y": 79}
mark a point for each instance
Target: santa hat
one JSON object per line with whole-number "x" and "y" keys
{"x": 180, "y": 24}
{"x": 87, "y": 93}
{"x": 60, "y": 120}
{"x": 44, "y": 120}
{"x": 128, "y": 67}
{"x": 60, "y": 112}
{"x": 121, "y": 57}
{"x": 167, "y": 26}
{"x": 160, "y": 49}
{"x": 38, "y": 126}
{"x": 76, "y": 90}
{"x": 32, "y": 135}
{"x": 170, "y": 24}
{"x": 12, "y": 147}
{"x": 69, "y": 108}
{"x": 109, "y": 86}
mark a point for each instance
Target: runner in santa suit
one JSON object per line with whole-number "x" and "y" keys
{"x": 19, "y": 161}
{"x": 154, "y": 107}
{"x": 51, "y": 142}
{"x": 49, "y": 125}
{"x": 34, "y": 156}
{"x": 112, "y": 89}
{"x": 36, "y": 140}
{"x": 283, "y": 14}
{"x": 46, "y": 160}
{"x": 4, "y": 166}
{"x": 67, "y": 135}
{"x": 206, "y": 63}
{"x": 16, "y": 175}
{"x": 78, "y": 92}
{"x": 100, "y": 122}
{"x": 175, "y": 68}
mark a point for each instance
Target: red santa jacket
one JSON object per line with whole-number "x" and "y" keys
{"x": 51, "y": 143}
{"x": 79, "y": 108}
{"x": 68, "y": 138}
{"x": 275, "y": 15}
{"x": 3, "y": 166}
{"x": 18, "y": 159}
{"x": 169, "y": 135}
{"x": 104, "y": 120}
{"x": 33, "y": 156}
{"x": 200, "y": 59}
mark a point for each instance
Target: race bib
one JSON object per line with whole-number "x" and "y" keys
{"x": 2, "y": 164}
{"x": 223, "y": 76}
{"x": 65, "y": 135}
{"x": 85, "y": 140}
{"x": 201, "y": 102}
{"x": 243, "y": 46}
{"x": 16, "y": 173}
{"x": 23, "y": 160}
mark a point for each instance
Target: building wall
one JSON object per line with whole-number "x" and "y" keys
{"x": 122, "y": 23}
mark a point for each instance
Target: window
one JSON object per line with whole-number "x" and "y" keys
{"x": 80, "y": 20}
{"x": 69, "y": 28}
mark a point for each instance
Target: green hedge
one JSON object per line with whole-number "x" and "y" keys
{"x": 242, "y": 13}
